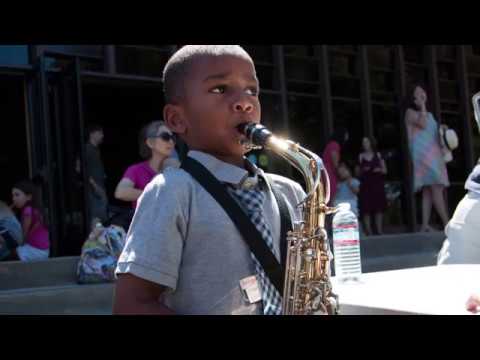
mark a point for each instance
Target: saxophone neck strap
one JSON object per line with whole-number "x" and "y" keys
{"x": 244, "y": 225}
{"x": 285, "y": 221}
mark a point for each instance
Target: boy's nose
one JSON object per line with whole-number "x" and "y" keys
{"x": 243, "y": 105}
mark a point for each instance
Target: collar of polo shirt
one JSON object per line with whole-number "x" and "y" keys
{"x": 228, "y": 173}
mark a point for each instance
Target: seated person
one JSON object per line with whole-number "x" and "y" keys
{"x": 462, "y": 245}
{"x": 10, "y": 232}
{"x": 347, "y": 188}
{"x": 156, "y": 143}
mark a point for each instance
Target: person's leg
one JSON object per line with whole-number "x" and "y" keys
{"x": 379, "y": 222}
{"x": 426, "y": 207}
{"x": 7, "y": 247}
{"x": 92, "y": 206}
{"x": 31, "y": 253}
{"x": 367, "y": 223}
{"x": 439, "y": 203}
{"x": 13, "y": 255}
{"x": 98, "y": 208}
{"x": 19, "y": 252}
{"x": 104, "y": 209}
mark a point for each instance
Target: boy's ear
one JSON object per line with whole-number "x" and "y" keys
{"x": 174, "y": 118}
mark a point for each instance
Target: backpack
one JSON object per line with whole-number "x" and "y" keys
{"x": 100, "y": 254}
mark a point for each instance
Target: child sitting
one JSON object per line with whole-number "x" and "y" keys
{"x": 347, "y": 188}
{"x": 37, "y": 244}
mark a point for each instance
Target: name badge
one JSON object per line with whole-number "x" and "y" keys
{"x": 251, "y": 289}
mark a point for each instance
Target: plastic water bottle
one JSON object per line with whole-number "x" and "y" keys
{"x": 346, "y": 244}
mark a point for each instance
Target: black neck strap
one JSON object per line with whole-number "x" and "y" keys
{"x": 285, "y": 221}
{"x": 247, "y": 229}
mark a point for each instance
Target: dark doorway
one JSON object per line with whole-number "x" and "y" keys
{"x": 122, "y": 110}
{"x": 14, "y": 154}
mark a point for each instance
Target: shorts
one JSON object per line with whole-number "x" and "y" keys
{"x": 30, "y": 253}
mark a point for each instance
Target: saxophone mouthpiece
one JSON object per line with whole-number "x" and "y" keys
{"x": 242, "y": 127}
{"x": 257, "y": 134}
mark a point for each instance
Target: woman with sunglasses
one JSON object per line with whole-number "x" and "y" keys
{"x": 156, "y": 143}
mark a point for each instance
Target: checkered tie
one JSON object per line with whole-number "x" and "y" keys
{"x": 252, "y": 201}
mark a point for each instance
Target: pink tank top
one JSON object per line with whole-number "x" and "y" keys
{"x": 331, "y": 147}
{"x": 140, "y": 174}
{"x": 38, "y": 234}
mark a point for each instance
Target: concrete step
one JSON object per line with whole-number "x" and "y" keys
{"x": 49, "y": 286}
{"x": 400, "y": 251}
{"x": 401, "y": 244}
{"x": 396, "y": 262}
{"x": 73, "y": 299}
{"x": 50, "y": 272}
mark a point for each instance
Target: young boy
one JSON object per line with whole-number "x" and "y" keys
{"x": 347, "y": 188}
{"x": 183, "y": 254}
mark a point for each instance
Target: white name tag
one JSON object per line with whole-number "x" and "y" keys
{"x": 249, "y": 286}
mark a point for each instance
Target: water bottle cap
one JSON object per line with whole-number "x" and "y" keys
{"x": 344, "y": 206}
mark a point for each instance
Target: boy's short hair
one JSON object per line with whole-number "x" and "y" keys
{"x": 177, "y": 67}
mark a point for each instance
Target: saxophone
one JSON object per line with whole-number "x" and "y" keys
{"x": 307, "y": 286}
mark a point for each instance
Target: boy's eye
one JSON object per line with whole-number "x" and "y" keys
{"x": 252, "y": 91}
{"x": 218, "y": 89}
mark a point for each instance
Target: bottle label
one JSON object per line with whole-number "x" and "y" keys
{"x": 346, "y": 242}
{"x": 346, "y": 226}
{"x": 347, "y": 234}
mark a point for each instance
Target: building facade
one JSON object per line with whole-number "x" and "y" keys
{"x": 52, "y": 92}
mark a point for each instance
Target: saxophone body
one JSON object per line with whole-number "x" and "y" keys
{"x": 307, "y": 286}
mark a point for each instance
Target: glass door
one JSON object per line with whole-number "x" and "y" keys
{"x": 59, "y": 154}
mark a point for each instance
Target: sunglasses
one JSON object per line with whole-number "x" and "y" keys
{"x": 165, "y": 136}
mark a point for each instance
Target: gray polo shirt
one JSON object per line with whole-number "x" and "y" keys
{"x": 180, "y": 237}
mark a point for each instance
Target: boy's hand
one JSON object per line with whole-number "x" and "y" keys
{"x": 473, "y": 303}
